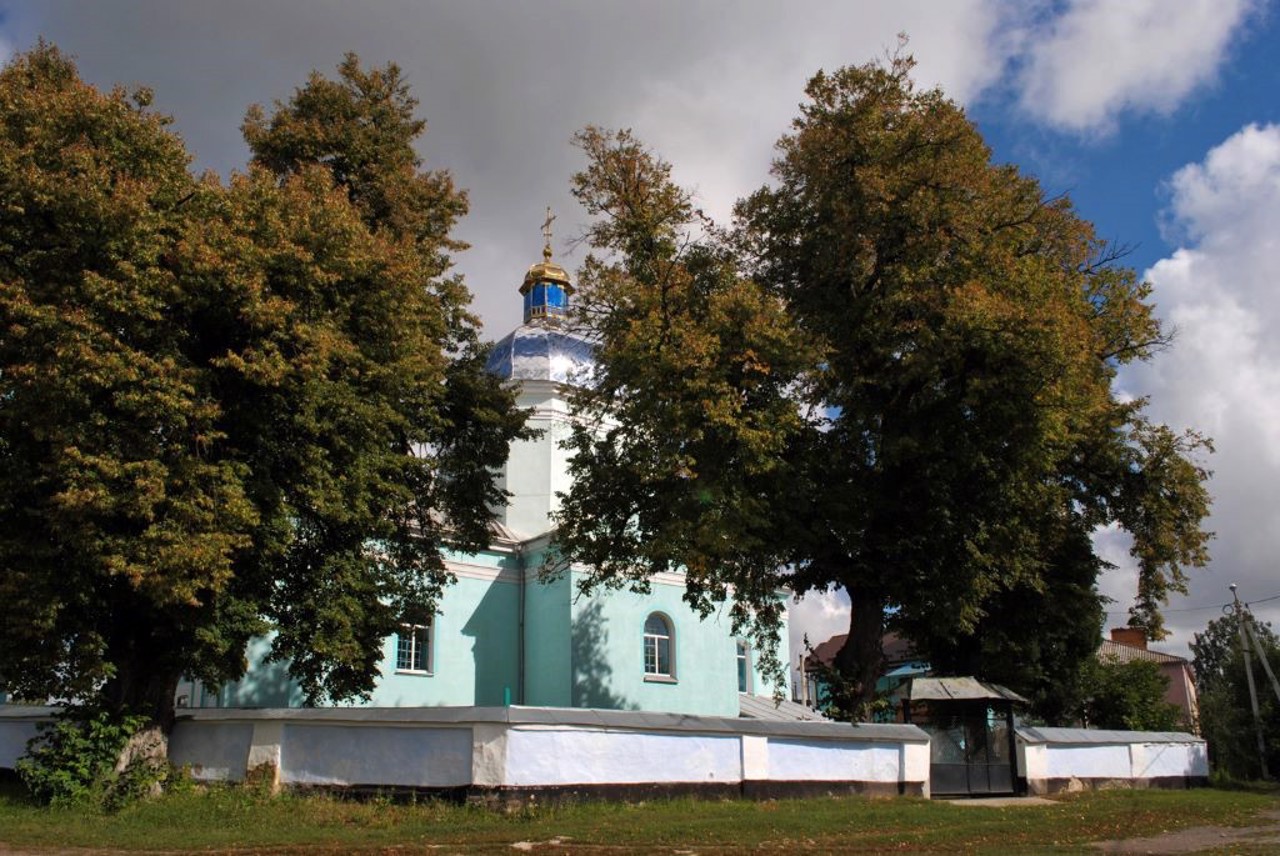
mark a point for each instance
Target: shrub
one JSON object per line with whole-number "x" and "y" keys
{"x": 1128, "y": 696}
{"x": 76, "y": 760}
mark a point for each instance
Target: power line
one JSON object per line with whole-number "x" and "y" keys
{"x": 1181, "y": 609}
{"x": 1200, "y": 608}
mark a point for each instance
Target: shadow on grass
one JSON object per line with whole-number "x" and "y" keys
{"x": 1249, "y": 786}
{"x": 13, "y": 792}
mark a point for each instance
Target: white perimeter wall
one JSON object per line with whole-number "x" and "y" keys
{"x": 17, "y": 726}
{"x": 538, "y": 757}
{"x": 493, "y": 747}
{"x": 801, "y": 760}
{"x": 1046, "y": 754}
{"x": 1091, "y": 762}
{"x": 544, "y": 747}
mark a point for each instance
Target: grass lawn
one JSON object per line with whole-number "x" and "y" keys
{"x": 239, "y": 819}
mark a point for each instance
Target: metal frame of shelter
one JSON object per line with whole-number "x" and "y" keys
{"x": 972, "y": 747}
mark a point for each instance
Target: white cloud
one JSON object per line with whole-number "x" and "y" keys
{"x": 818, "y": 616}
{"x": 1220, "y": 293}
{"x": 1103, "y": 57}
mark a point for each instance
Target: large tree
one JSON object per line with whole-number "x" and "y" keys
{"x": 973, "y": 328}
{"x": 119, "y": 521}
{"x": 1128, "y": 696}
{"x": 683, "y": 436}
{"x": 940, "y": 437}
{"x": 227, "y": 410}
{"x": 400, "y": 425}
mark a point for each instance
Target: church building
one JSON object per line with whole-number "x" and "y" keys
{"x": 503, "y": 635}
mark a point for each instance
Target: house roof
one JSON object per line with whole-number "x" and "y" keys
{"x": 1119, "y": 652}
{"x": 896, "y": 649}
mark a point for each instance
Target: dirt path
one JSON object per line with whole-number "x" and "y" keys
{"x": 1198, "y": 838}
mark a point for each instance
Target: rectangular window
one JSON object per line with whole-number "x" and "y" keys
{"x": 744, "y": 667}
{"x": 413, "y": 648}
{"x": 657, "y": 655}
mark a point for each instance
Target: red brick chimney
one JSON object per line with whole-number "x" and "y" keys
{"x": 1134, "y": 636}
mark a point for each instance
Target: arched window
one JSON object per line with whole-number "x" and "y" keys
{"x": 744, "y": 666}
{"x": 658, "y": 647}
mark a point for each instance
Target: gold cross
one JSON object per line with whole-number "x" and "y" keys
{"x": 546, "y": 230}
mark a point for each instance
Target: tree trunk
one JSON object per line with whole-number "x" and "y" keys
{"x": 143, "y": 688}
{"x": 861, "y": 660}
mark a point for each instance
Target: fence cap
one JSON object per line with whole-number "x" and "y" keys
{"x": 1042, "y": 734}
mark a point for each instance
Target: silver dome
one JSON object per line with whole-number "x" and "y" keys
{"x": 539, "y": 351}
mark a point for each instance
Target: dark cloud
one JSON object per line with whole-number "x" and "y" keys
{"x": 504, "y": 85}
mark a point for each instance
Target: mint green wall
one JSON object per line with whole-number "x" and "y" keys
{"x": 474, "y": 658}
{"x": 761, "y": 687}
{"x": 474, "y": 661}
{"x": 608, "y": 655}
{"x": 579, "y": 651}
{"x": 263, "y": 685}
{"x": 548, "y": 653}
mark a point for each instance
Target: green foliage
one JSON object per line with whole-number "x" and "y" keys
{"x": 972, "y": 328}
{"x": 72, "y": 761}
{"x": 1214, "y": 649}
{"x": 1128, "y": 696}
{"x": 920, "y": 410}
{"x": 683, "y": 435}
{"x": 120, "y": 520}
{"x": 1226, "y": 718}
{"x": 226, "y": 409}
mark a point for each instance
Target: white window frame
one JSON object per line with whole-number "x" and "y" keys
{"x": 742, "y": 657}
{"x": 654, "y": 641}
{"x": 418, "y": 636}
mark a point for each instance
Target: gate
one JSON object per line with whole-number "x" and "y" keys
{"x": 971, "y": 741}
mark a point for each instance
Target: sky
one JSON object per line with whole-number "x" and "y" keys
{"x": 1160, "y": 119}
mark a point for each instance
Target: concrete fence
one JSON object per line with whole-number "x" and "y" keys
{"x": 518, "y": 752}
{"x": 1053, "y": 760}
{"x": 18, "y": 724}
{"x": 522, "y": 751}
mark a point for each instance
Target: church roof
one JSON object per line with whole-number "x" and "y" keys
{"x": 544, "y": 347}
{"x": 542, "y": 351}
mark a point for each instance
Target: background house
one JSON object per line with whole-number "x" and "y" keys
{"x": 901, "y": 663}
{"x": 1130, "y": 643}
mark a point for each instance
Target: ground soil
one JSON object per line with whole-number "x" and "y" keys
{"x": 1258, "y": 838}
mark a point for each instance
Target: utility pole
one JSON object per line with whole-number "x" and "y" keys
{"x": 1253, "y": 691}
{"x": 1262, "y": 655}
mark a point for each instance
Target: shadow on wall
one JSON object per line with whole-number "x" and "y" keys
{"x": 493, "y": 627}
{"x": 266, "y": 684}
{"x": 591, "y": 671}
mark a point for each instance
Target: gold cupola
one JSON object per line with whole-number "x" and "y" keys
{"x": 546, "y": 288}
